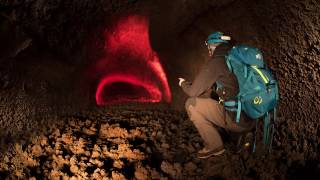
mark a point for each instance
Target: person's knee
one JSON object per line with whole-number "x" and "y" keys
{"x": 190, "y": 102}
{"x": 190, "y": 107}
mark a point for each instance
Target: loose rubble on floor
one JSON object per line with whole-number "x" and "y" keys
{"x": 131, "y": 144}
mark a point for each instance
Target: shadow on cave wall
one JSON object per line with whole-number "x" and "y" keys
{"x": 48, "y": 45}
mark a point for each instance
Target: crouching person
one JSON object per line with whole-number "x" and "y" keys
{"x": 206, "y": 113}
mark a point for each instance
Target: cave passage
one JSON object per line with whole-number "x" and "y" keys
{"x": 122, "y": 89}
{"x": 84, "y": 90}
{"x": 131, "y": 70}
{"x": 125, "y": 92}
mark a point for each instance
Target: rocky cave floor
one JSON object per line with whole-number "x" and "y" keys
{"x": 139, "y": 144}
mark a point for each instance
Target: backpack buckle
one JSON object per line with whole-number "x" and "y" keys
{"x": 221, "y": 101}
{"x": 269, "y": 90}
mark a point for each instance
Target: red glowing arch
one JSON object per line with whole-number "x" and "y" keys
{"x": 130, "y": 59}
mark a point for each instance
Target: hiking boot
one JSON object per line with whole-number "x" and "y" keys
{"x": 206, "y": 153}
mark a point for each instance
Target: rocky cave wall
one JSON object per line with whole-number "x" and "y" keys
{"x": 47, "y": 45}
{"x": 295, "y": 59}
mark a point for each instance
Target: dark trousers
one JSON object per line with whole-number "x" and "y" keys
{"x": 206, "y": 114}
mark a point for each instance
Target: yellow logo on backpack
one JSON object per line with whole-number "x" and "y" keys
{"x": 257, "y": 100}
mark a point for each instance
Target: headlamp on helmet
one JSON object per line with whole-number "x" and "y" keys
{"x": 217, "y": 37}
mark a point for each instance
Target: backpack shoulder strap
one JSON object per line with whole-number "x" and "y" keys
{"x": 228, "y": 63}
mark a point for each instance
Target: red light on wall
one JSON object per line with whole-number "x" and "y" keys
{"x": 130, "y": 59}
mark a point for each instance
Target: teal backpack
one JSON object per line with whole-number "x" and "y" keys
{"x": 258, "y": 90}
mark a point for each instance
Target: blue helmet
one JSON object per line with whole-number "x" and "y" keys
{"x": 217, "y": 37}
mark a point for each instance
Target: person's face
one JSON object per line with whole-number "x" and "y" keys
{"x": 211, "y": 48}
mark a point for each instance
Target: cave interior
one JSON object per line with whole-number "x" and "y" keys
{"x": 89, "y": 89}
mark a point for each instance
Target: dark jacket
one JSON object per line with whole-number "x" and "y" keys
{"x": 215, "y": 69}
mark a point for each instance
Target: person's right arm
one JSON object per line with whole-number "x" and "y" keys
{"x": 202, "y": 84}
